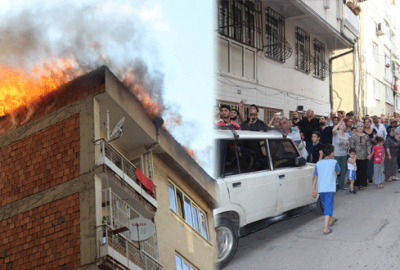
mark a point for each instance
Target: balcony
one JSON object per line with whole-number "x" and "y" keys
{"x": 351, "y": 21}
{"x": 125, "y": 170}
{"x": 118, "y": 247}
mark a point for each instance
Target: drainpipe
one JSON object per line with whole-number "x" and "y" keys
{"x": 330, "y": 74}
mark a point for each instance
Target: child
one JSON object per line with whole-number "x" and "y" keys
{"x": 352, "y": 169}
{"x": 325, "y": 172}
{"x": 353, "y": 130}
{"x": 378, "y": 151}
{"x": 317, "y": 147}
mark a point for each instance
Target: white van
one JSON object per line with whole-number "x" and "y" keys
{"x": 261, "y": 179}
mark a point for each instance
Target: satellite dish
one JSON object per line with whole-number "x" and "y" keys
{"x": 117, "y": 127}
{"x": 141, "y": 229}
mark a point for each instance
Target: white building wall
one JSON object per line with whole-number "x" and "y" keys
{"x": 375, "y": 12}
{"x": 270, "y": 83}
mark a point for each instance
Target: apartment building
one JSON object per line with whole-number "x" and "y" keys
{"x": 276, "y": 54}
{"x": 366, "y": 81}
{"x": 75, "y": 198}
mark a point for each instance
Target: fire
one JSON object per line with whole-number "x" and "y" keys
{"x": 137, "y": 88}
{"x": 19, "y": 87}
{"x": 22, "y": 89}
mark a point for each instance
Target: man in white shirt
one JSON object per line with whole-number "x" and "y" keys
{"x": 380, "y": 128}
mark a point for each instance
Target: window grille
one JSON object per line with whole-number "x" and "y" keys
{"x": 321, "y": 69}
{"x": 240, "y": 20}
{"x": 302, "y": 50}
{"x": 275, "y": 43}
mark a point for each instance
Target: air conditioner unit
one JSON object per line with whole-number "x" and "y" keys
{"x": 380, "y": 31}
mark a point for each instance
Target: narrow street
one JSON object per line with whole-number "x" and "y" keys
{"x": 366, "y": 236}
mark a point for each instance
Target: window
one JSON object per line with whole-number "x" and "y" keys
{"x": 389, "y": 95}
{"x": 276, "y": 46}
{"x": 397, "y": 102}
{"x": 237, "y": 20}
{"x": 283, "y": 153}
{"x": 375, "y": 51}
{"x": 188, "y": 210}
{"x": 302, "y": 50}
{"x": 172, "y": 198}
{"x": 245, "y": 156}
{"x": 376, "y": 89}
{"x": 182, "y": 264}
{"x": 320, "y": 68}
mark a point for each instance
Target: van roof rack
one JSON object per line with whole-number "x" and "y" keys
{"x": 231, "y": 128}
{"x": 251, "y": 128}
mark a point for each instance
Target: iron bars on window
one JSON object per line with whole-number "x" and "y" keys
{"x": 241, "y": 21}
{"x": 276, "y": 45}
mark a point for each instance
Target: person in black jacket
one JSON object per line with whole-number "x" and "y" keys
{"x": 307, "y": 127}
{"x": 252, "y": 123}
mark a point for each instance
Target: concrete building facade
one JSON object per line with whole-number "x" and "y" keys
{"x": 71, "y": 195}
{"x": 374, "y": 67}
{"x": 276, "y": 54}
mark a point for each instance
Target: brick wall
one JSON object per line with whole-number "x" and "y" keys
{"x": 46, "y": 237}
{"x": 40, "y": 161}
{"x": 69, "y": 93}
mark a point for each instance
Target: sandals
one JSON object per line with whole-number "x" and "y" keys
{"x": 380, "y": 186}
{"x": 334, "y": 221}
{"x": 360, "y": 188}
{"x": 326, "y": 233}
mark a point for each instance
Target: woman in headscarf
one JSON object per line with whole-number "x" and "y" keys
{"x": 361, "y": 142}
{"x": 371, "y": 132}
{"x": 391, "y": 147}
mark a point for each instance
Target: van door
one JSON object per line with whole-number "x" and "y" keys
{"x": 249, "y": 178}
{"x": 295, "y": 183}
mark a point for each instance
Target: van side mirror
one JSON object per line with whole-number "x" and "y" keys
{"x": 300, "y": 161}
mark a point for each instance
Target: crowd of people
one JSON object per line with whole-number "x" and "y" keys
{"x": 367, "y": 148}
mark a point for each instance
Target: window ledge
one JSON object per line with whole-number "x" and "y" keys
{"x": 191, "y": 227}
{"x": 305, "y": 72}
{"x": 319, "y": 78}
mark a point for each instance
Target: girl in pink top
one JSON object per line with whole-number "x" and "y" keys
{"x": 378, "y": 151}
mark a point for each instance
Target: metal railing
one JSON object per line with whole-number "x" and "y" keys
{"x": 132, "y": 251}
{"x": 118, "y": 214}
{"x": 108, "y": 151}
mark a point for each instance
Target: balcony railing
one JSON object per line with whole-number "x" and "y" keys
{"x": 117, "y": 214}
{"x": 122, "y": 167}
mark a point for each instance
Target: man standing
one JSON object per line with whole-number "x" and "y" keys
{"x": 330, "y": 119}
{"x": 295, "y": 119}
{"x": 275, "y": 121}
{"x": 234, "y": 114}
{"x": 226, "y": 118}
{"x": 252, "y": 123}
{"x": 380, "y": 128}
{"x": 393, "y": 124}
{"x": 307, "y": 127}
{"x": 325, "y": 131}
{"x": 349, "y": 125}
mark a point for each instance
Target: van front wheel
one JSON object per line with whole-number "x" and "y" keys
{"x": 227, "y": 241}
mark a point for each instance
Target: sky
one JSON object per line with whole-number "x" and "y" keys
{"x": 173, "y": 38}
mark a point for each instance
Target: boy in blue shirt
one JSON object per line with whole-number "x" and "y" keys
{"x": 325, "y": 172}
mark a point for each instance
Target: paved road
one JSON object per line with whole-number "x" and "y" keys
{"x": 367, "y": 236}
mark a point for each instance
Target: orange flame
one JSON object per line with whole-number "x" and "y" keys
{"x": 152, "y": 107}
{"x": 19, "y": 87}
